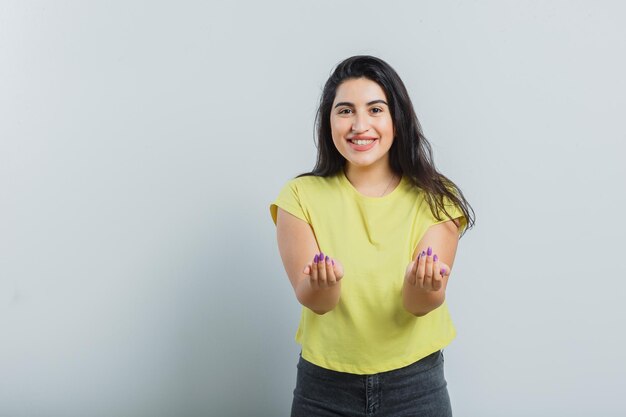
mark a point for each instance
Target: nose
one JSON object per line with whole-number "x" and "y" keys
{"x": 360, "y": 123}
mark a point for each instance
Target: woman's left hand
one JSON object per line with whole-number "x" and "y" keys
{"x": 427, "y": 272}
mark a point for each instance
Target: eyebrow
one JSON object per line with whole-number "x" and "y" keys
{"x": 347, "y": 103}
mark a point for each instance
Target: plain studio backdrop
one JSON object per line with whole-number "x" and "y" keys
{"x": 141, "y": 144}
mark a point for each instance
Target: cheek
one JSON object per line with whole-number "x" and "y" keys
{"x": 337, "y": 134}
{"x": 387, "y": 124}
{"x": 386, "y": 128}
{"x": 339, "y": 125}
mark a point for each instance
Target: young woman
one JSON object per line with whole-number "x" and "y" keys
{"x": 368, "y": 240}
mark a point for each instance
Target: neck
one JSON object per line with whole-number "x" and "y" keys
{"x": 370, "y": 177}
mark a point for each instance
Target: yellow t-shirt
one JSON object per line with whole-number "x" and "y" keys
{"x": 369, "y": 331}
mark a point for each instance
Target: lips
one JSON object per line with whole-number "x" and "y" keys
{"x": 361, "y": 138}
{"x": 362, "y": 148}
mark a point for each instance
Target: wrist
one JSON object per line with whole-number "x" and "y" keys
{"x": 420, "y": 302}
{"x": 318, "y": 300}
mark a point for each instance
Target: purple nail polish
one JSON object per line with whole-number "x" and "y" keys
{"x": 423, "y": 253}
{"x": 430, "y": 251}
{"x": 333, "y": 262}
{"x": 419, "y": 256}
{"x": 443, "y": 271}
{"x": 315, "y": 259}
{"x": 327, "y": 258}
{"x": 435, "y": 258}
{"x": 321, "y": 255}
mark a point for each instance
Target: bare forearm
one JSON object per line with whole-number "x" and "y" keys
{"x": 320, "y": 301}
{"x": 419, "y": 302}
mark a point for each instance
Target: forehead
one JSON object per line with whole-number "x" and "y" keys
{"x": 359, "y": 90}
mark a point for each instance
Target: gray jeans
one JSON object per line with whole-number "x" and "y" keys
{"x": 418, "y": 389}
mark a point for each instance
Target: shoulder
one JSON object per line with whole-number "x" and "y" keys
{"x": 310, "y": 182}
{"x": 310, "y": 179}
{"x": 438, "y": 209}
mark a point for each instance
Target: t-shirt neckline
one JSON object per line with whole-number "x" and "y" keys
{"x": 387, "y": 197}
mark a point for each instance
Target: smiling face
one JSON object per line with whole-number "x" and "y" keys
{"x": 360, "y": 111}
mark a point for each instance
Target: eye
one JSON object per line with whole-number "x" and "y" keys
{"x": 342, "y": 111}
{"x": 377, "y": 108}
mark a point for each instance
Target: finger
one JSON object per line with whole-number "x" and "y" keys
{"x": 437, "y": 281}
{"x": 413, "y": 272}
{"x": 444, "y": 270}
{"x": 444, "y": 266}
{"x": 428, "y": 270}
{"x": 321, "y": 271}
{"x": 314, "y": 282}
{"x": 337, "y": 269}
{"x": 417, "y": 262}
{"x": 419, "y": 277}
{"x": 330, "y": 274}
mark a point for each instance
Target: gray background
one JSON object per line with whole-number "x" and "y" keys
{"x": 142, "y": 142}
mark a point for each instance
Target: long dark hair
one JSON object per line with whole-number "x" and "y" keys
{"x": 410, "y": 153}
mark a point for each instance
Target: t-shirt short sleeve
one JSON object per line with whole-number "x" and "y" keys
{"x": 289, "y": 199}
{"x": 455, "y": 213}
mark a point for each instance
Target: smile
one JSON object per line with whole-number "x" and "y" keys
{"x": 362, "y": 145}
{"x": 362, "y": 141}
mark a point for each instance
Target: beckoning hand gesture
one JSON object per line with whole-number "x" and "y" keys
{"x": 426, "y": 272}
{"x": 324, "y": 272}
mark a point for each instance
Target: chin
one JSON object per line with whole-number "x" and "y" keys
{"x": 362, "y": 163}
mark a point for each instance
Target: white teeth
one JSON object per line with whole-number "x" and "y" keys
{"x": 363, "y": 142}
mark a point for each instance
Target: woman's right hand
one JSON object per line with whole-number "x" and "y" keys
{"x": 324, "y": 272}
